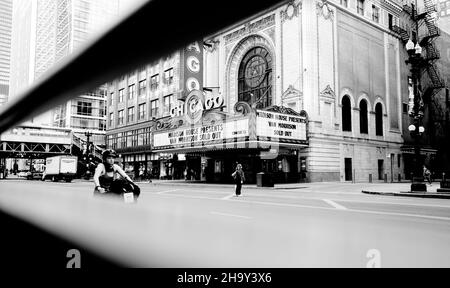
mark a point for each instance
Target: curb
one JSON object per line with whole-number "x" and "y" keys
{"x": 410, "y": 194}
{"x": 225, "y": 185}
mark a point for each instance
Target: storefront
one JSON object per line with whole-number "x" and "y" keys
{"x": 262, "y": 140}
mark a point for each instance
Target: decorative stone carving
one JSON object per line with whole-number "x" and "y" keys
{"x": 291, "y": 92}
{"x": 328, "y": 93}
{"x": 324, "y": 10}
{"x": 291, "y": 11}
{"x": 283, "y": 110}
{"x": 251, "y": 28}
{"x": 242, "y": 107}
{"x": 211, "y": 45}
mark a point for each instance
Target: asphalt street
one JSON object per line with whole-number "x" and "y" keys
{"x": 318, "y": 225}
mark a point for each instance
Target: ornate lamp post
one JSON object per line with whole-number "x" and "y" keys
{"x": 416, "y": 112}
{"x": 87, "y": 157}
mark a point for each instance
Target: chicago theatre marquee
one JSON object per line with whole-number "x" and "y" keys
{"x": 307, "y": 91}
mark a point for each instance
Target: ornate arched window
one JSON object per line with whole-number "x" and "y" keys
{"x": 379, "y": 119}
{"x": 346, "y": 114}
{"x": 363, "y": 123}
{"x": 255, "y": 78}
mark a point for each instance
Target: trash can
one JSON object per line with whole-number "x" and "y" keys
{"x": 264, "y": 180}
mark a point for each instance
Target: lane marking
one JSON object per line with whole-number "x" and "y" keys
{"x": 167, "y": 191}
{"x": 227, "y": 197}
{"x": 334, "y": 204}
{"x": 394, "y": 203}
{"x": 230, "y": 215}
{"x": 318, "y": 207}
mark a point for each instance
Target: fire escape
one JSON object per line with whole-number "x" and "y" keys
{"x": 425, "y": 22}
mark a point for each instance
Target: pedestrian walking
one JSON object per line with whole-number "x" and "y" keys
{"x": 427, "y": 174}
{"x": 239, "y": 178}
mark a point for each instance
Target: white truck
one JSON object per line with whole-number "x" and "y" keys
{"x": 60, "y": 167}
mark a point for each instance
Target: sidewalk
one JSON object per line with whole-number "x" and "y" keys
{"x": 403, "y": 189}
{"x": 224, "y": 185}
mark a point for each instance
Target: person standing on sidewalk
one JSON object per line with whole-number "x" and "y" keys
{"x": 427, "y": 174}
{"x": 239, "y": 178}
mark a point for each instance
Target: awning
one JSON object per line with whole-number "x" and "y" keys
{"x": 424, "y": 151}
{"x": 229, "y": 146}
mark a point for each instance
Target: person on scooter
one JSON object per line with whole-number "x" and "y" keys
{"x": 107, "y": 180}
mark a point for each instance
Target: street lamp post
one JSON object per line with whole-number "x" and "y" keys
{"x": 416, "y": 112}
{"x": 87, "y": 155}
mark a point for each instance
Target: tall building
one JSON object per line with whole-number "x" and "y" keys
{"x": 47, "y": 32}
{"x": 5, "y": 48}
{"x": 305, "y": 91}
{"x": 443, "y": 10}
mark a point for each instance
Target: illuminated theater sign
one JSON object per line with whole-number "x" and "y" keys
{"x": 201, "y": 123}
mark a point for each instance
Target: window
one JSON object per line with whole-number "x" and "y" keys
{"x": 131, "y": 89}
{"x": 120, "y": 95}
{"x": 84, "y": 108}
{"x": 120, "y": 118}
{"x": 380, "y": 169}
{"x": 142, "y": 87}
{"x": 111, "y": 119}
{"x": 102, "y": 125}
{"x": 363, "y": 121}
{"x": 142, "y": 108}
{"x": 130, "y": 115}
{"x": 168, "y": 104}
{"x": 348, "y": 169}
{"x": 360, "y": 7}
{"x": 405, "y": 108}
{"x": 255, "y": 78}
{"x": 390, "y": 21}
{"x": 168, "y": 76}
{"x": 111, "y": 99}
{"x": 375, "y": 14}
{"x": 379, "y": 119}
{"x": 344, "y": 3}
{"x": 154, "y": 108}
{"x": 346, "y": 114}
{"x": 154, "y": 82}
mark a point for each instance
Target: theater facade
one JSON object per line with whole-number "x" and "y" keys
{"x": 306, "y": 91}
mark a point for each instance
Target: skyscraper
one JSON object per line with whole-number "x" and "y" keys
{"x": 444, "y": 15}
{"x": 47, "y": 32}
{"x": 5, "y": 48}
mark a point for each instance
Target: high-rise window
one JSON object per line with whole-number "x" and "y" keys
{"x": 111, "y": 99}
{"x": 131, "y": 89}
{"x": 168, "y": 76}
{"x": 142, "y": 87}
{"x": 142, "y": 108}
{"x": 120, "y": 117}
{"x": 154, "y": 108}
{"x": 168, "y": 104}
{"x": 344, "y": 3}
{"x": 360, "y": 7}
{"x": 154, "y": 82}
{"x": 346, "y": 114}
{"x": 84, "y": 108}
{"x": 375, "y": 14}
{"x": 130, "y": 116}
{"x": 120, "y": 95}
{"x": 111, "y": 119}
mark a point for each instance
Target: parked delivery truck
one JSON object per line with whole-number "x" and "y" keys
{"x": 60, "y": 167}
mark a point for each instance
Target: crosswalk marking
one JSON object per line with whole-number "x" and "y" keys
{"x": 334, "y": 204}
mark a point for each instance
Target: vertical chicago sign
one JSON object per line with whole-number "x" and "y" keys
{"x": 193, "y": 67}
